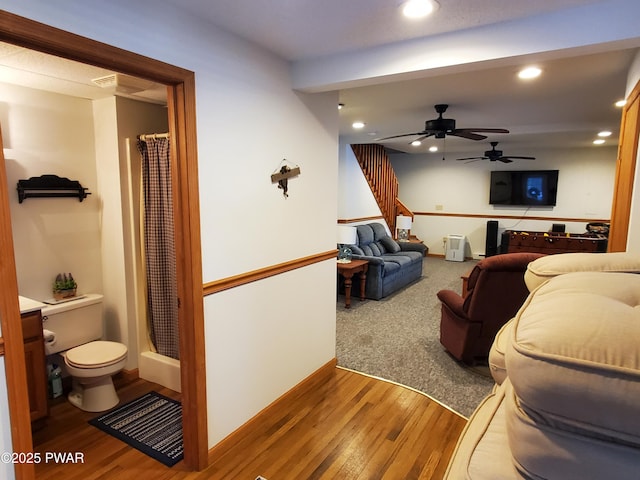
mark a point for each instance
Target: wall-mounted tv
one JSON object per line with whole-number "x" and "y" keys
{"x": 524, "y": 187}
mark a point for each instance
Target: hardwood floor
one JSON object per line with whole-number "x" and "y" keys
{"x": 351, "y": 427}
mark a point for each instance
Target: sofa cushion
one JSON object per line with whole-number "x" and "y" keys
{"x": 375, "y": 249}
{"x": 573, "y": 358}
{"x": 497, "y": 366}
{"x": 365, "y": 234}
{"x": 544, "y": 450}
{"x": 543, "y": 269}
{"x": 391, "y": 267}
{"x": 482, "y": 452}
{"x": 378, "y": 231}
{"x": 401, "y": 260}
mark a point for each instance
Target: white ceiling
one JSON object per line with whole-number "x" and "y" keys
{"x": 45, "y": 72}
{"x": 302, "y": 29}
{"x": 564, "y": 108}
{"x": 572, "y": 101}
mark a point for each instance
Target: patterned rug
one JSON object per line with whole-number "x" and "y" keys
{"x": 151, "y": 424}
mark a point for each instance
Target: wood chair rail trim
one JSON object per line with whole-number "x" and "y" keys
{"x": 216, "y": 286}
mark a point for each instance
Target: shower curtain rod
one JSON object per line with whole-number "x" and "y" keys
{"x": 152, "y": 136}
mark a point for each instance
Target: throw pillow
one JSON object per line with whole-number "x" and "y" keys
{"x": 390, "y": 244}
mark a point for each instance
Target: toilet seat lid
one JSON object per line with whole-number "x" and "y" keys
{"x": 96, "y": 354}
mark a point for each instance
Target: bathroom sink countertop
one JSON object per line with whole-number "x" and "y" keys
{"x": 28, "y": 305}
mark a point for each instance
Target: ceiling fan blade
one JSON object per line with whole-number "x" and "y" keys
{"x": 519, "y": 158}
{"x": 504, "y": 160}
{"x": 464, "y": 133}
{"x": 423, "y": 137}
{"x": 473, "y": 158}
{"x": 399, "y": 136}
{"x": 485, "y": 130}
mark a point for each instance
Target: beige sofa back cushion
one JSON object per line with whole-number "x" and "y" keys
{"x": 543, "y": 269}
{"x": 574, "y": 357}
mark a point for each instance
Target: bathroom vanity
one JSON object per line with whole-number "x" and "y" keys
{"x": 35, "y": 360}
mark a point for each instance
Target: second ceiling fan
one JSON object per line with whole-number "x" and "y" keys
{"x": 494, "y": 155}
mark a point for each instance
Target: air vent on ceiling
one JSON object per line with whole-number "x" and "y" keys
{"x": 123, "y": 83}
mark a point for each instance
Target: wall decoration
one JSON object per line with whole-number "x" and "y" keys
{"x": 282, "y": 175}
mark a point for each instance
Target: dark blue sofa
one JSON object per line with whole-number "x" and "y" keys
{"x": 392, "y": 265}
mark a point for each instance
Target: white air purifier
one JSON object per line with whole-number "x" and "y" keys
{"x": 455, "y": 248}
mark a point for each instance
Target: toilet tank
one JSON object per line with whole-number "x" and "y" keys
{"x": 72, "y": 323}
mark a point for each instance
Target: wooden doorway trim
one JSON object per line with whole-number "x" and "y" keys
{"x": 625, "y": 172}
{"x": 182, "y": 126}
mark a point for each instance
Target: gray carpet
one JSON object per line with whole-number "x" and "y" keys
{"x": 397, "y": 338}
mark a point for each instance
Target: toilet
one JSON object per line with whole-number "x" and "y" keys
{"x": 74, "y": 329}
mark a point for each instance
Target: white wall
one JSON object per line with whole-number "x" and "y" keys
{"x": 249, "y": 119}
{"x": 46, "y": 133}
{"x": 585, "y": 191}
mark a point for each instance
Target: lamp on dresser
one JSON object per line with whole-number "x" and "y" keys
{"x": 403, "y": 225}
{"x": 346, "y": 236}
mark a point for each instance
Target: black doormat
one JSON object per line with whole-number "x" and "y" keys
{"x": 151, "y": 424}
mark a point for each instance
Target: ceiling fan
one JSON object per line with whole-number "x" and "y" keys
{"x": 496, "y": 155}
{"x": 440, "y": 127}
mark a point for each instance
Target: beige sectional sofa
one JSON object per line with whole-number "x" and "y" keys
{"x": 566, "y": 404}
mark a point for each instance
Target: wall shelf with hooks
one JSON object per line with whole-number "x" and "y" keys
{"x": 49, "y": 186}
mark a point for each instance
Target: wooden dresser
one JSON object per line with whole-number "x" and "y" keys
{"x": 543, "y": 242}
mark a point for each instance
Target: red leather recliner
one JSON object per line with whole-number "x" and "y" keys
{"x": 495, "y": 292}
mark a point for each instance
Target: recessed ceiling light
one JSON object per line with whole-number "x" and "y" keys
{"x": 340, "y": 106}
{"x": 416, "y": 143}
{"x": 599, "y": 141}
{"x": 433, "y": 149}
{"x": 418, "y": 8}
{"x": 604, "y": 133}
{"x": 620, "y": 103}
{"x": 529, "y": 73}
{"x": 357, "y": 125}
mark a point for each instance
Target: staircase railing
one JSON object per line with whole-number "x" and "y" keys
{"x": 382, "y": 180}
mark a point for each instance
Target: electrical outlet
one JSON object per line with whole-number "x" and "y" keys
{"x": 439, "y": 206}
{"x": 444, "y": 239}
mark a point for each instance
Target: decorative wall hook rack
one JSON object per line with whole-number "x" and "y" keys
{"x": 50, "y": 186}
{"x": 282, "y": 175}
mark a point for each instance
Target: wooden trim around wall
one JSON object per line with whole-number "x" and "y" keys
{"x": 1, "y": 347}
{"x": 481, "y": 215}
{"x": 242, "y": 279}
{"x": 233, "y": 439}
{"x": 625, "y": 173}
{"x": 14, "y": 361}
{"x": 510, "y": 217}
{"x": 361, "y": 219}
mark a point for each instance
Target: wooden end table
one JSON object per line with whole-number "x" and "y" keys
{"x": 348, "y": 270}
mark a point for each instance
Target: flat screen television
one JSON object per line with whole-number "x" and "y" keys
{"x": 524, "y": 187}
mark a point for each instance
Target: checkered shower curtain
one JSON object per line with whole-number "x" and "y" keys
{"x": 162, "y": 291}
